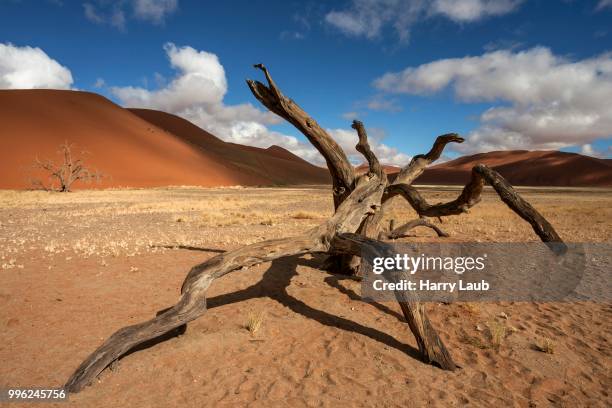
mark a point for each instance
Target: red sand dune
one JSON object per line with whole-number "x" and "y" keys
{"x": 133, "y": 148}
{"x": 389, "y": 169}
{"x": 521, "y": 168}
{"x": 147, "y": 148}
{"x": 274, "y": 164}
{"x": 527, "y": 168}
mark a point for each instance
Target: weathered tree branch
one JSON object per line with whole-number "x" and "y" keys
{"x": 342, "y": 172}
{"x": 419, "y": 162}
{"x": 348, "y": 264}
{"x": 402, "y": 231}
{"x": 363, "y": 147}
{"x": 470, "y": 196}
{"x": 508, "y": 195}
{"x": 371, "y": 225}
{"x": 430, "y": 345}
{"x": 417, "y": 165}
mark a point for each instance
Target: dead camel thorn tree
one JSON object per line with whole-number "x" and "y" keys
{"x": 359, "y": 202}
{"x": 67, "y": 172}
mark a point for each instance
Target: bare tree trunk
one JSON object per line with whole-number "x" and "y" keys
{"x": 349, "y": 264}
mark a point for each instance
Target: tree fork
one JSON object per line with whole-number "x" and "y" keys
{"x": 344, "y": 264}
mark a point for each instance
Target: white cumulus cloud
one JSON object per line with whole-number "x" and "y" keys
{"x": 540, "y": 100}
{"x": 379, "y": 103}
{"x": 196, "y": 93}
{"x": 589, "y": 150}
{"x": 201, "y": 81}
{"x": 347, "y": 139}
{"x": 472, "y": 10}
{"x": 30, "y": 67}
{"x": 368, "y": 18}
{"x": 106, "y": 13}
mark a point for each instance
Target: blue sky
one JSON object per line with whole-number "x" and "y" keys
{"x": 505, "y": 73}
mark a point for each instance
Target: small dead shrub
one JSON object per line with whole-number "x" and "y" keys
{"x": 304, "y": 215}
{"x": 474, "y": 341}
{"x": 545, "y": 345}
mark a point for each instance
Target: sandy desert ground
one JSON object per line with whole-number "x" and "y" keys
{"x": 76, "y": 267}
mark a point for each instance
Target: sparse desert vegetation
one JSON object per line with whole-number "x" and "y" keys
{"x": 497, "y": 332}
{"x": 255, "y": 322}
{"x": 546, "y": 345}
{"x": 82, "y": 265}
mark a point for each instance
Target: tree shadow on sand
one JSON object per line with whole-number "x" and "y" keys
{"x": 274, "y": 284}
{"x": 189, "y": 248}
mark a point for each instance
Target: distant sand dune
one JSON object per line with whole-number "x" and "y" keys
{"x": 134, "y": 148}
{"x": 521, "y": 168}
{"x": 527, "y": 168}
{"x": 273, "y": 165}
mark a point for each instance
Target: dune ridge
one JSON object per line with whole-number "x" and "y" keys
{"x": 521, "y": 168}
{"x": 527, "y": 168}
{"x": 275, "y": 164}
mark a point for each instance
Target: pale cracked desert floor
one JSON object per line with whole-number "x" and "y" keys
{"x": 76, "y": 267}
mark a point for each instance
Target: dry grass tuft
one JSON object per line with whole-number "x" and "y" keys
{"x": 472, "y": 307}
{"x": 498, "y": 333}
{"x": 304, "y": 215}
{"x": 474, "y": 341}
{"x": 255, "y": 321}
{"x": 512, "y": 329}
{"x": 545, "y": 345}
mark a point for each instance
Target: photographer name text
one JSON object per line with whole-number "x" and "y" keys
{"x": 427, "y": 285}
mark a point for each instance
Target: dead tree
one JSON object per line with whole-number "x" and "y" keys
{"x": 65, "y": 173}
{"x": 359, "y": 204}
